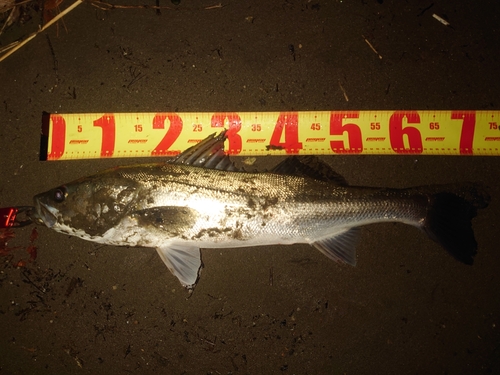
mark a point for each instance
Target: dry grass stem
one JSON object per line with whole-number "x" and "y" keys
{"x": 344, "y": 92}
{"x": 107, "y": 6}
{"x": 46, "y": 26}
{"x": 371, "y": 46}
{"x": 216, "y": 6}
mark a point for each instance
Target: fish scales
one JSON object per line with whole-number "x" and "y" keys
{"x": 182, "y": 206}
{"x": 244, "y": 205}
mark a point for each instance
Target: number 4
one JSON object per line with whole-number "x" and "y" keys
{"x": 287, "y": 125}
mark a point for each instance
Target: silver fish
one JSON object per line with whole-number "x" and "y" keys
{"x": 200, "y": 200}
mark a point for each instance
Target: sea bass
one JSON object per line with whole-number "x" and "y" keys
{"x": 201, "y": 200}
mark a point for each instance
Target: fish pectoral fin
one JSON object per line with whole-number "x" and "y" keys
{"x": 341, "y": 247}
{"x": 183, "y": 261}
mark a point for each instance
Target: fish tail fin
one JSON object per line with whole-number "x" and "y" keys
{"x": 449, "y": 219}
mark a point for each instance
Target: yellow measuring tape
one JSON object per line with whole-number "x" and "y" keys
{"x": 105, "y": 135}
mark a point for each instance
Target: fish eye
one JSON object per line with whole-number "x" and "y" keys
{"x": 60, "y": 194}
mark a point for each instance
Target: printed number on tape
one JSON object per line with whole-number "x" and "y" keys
{"x": 105, "y": 135}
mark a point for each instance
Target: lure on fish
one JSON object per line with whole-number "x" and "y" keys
{"x": 201, "y": 200}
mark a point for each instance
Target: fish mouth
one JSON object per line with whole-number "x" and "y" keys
{"x": 44, "y": 214}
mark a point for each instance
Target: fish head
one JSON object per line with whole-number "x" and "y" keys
{"x": 49, "y": 207}
{"x": 85, "y": 208}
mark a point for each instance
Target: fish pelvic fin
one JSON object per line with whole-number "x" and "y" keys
{"x": 341, "y": 248}
{"x": 183, "y": 261}
{"x": 449, "y": 220}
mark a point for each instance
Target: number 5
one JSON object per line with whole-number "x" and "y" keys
{"x": 353, "y": 133}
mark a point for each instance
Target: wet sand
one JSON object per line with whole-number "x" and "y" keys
{"x": 407, "y": 308}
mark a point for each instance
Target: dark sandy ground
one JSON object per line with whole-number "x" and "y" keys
{"x": 407, "y": 308}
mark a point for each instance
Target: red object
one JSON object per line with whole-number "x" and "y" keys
{"x": 9, "y": 219}
{"x": 7, "y": 216}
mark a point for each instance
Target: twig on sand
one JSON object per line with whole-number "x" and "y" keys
{"x": 441, "y": 19}
{"x": 15, "y": 46}
{"x": 108, "y": 6}
{"x": 216, "y": 6}
{"x": 372, "y": 48}
{"x": 7, "y": 5}
{"x": 344, "y": 92}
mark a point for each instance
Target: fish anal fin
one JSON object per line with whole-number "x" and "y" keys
{"x": 341, "y": 247}
{"x": 183, "y": 261}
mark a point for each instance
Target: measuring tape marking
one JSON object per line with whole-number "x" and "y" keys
{"x": 91, "y": 135}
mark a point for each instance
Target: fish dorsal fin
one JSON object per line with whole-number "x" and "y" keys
{"x": 183, "y": 261}
{"x": 341, "y": 247}
{"x": 309, "y": 166}
{"x": 209, "y": 153}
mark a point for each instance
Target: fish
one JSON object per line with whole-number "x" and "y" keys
{"x": 201, "y": 200}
